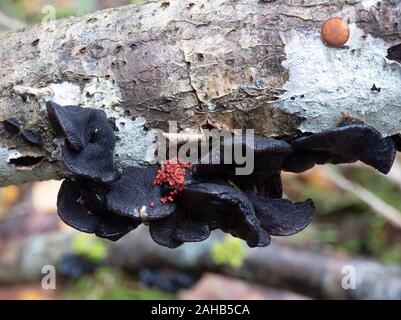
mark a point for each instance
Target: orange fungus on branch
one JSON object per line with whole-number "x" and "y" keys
{"x": 172, "y": 174}
{"x": 335, "y": 32}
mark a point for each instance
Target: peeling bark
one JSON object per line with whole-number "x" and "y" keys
{"x": 221, "y": 63}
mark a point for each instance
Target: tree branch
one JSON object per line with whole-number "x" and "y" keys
{"x": 293, "y": 268}
{"x": 226, "y": 64}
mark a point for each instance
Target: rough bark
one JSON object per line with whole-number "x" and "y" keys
{"x": 221, "y": 63}
{"x": 283, "y": 266}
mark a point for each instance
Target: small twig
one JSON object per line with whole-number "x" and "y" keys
{"x": 180, "y": 138}
{"x": 393, "y": 176}
{"x": 37, "y": 92}
{"x": 391, "y": 214}
{"x": 395, "y": 173}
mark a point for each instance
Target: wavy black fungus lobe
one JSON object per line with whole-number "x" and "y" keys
{"x": 134, "y": 195}
{"x": 33, "y": 137}
{"x": 74, "y": 208}
{"x": 90, "y": 141}
{"x": 266, "y": 154}
{"x": 12, "y": 126}
{"x": 343, "y": 144}
{"x": 281, "y": 217}
{"x": 224, "y": 207}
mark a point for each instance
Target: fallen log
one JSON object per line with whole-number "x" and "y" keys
{"x": 221, "y": 64}
{"x": 312, "y": 273}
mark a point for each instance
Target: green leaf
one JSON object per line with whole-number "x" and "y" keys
{"x": 89, "y": 246}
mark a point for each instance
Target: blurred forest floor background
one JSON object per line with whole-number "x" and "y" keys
{"x": 358, "y": 214}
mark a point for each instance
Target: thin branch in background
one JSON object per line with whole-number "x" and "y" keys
{"x": 282, "y": 266}
{"x": 10, "y": 23}
{"x": 395, "y": 173}
{"x": 386, "y": 211}
{"x": 394, "y": 176}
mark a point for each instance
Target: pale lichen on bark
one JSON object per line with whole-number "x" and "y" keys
{"x": 221, "y": 63}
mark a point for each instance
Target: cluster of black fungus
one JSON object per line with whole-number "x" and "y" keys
{"x": 99, "y": 200}
{"x": 74, "y": 266}
{"x": 32, "y": 137}
{"x": 88, "y": 154}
